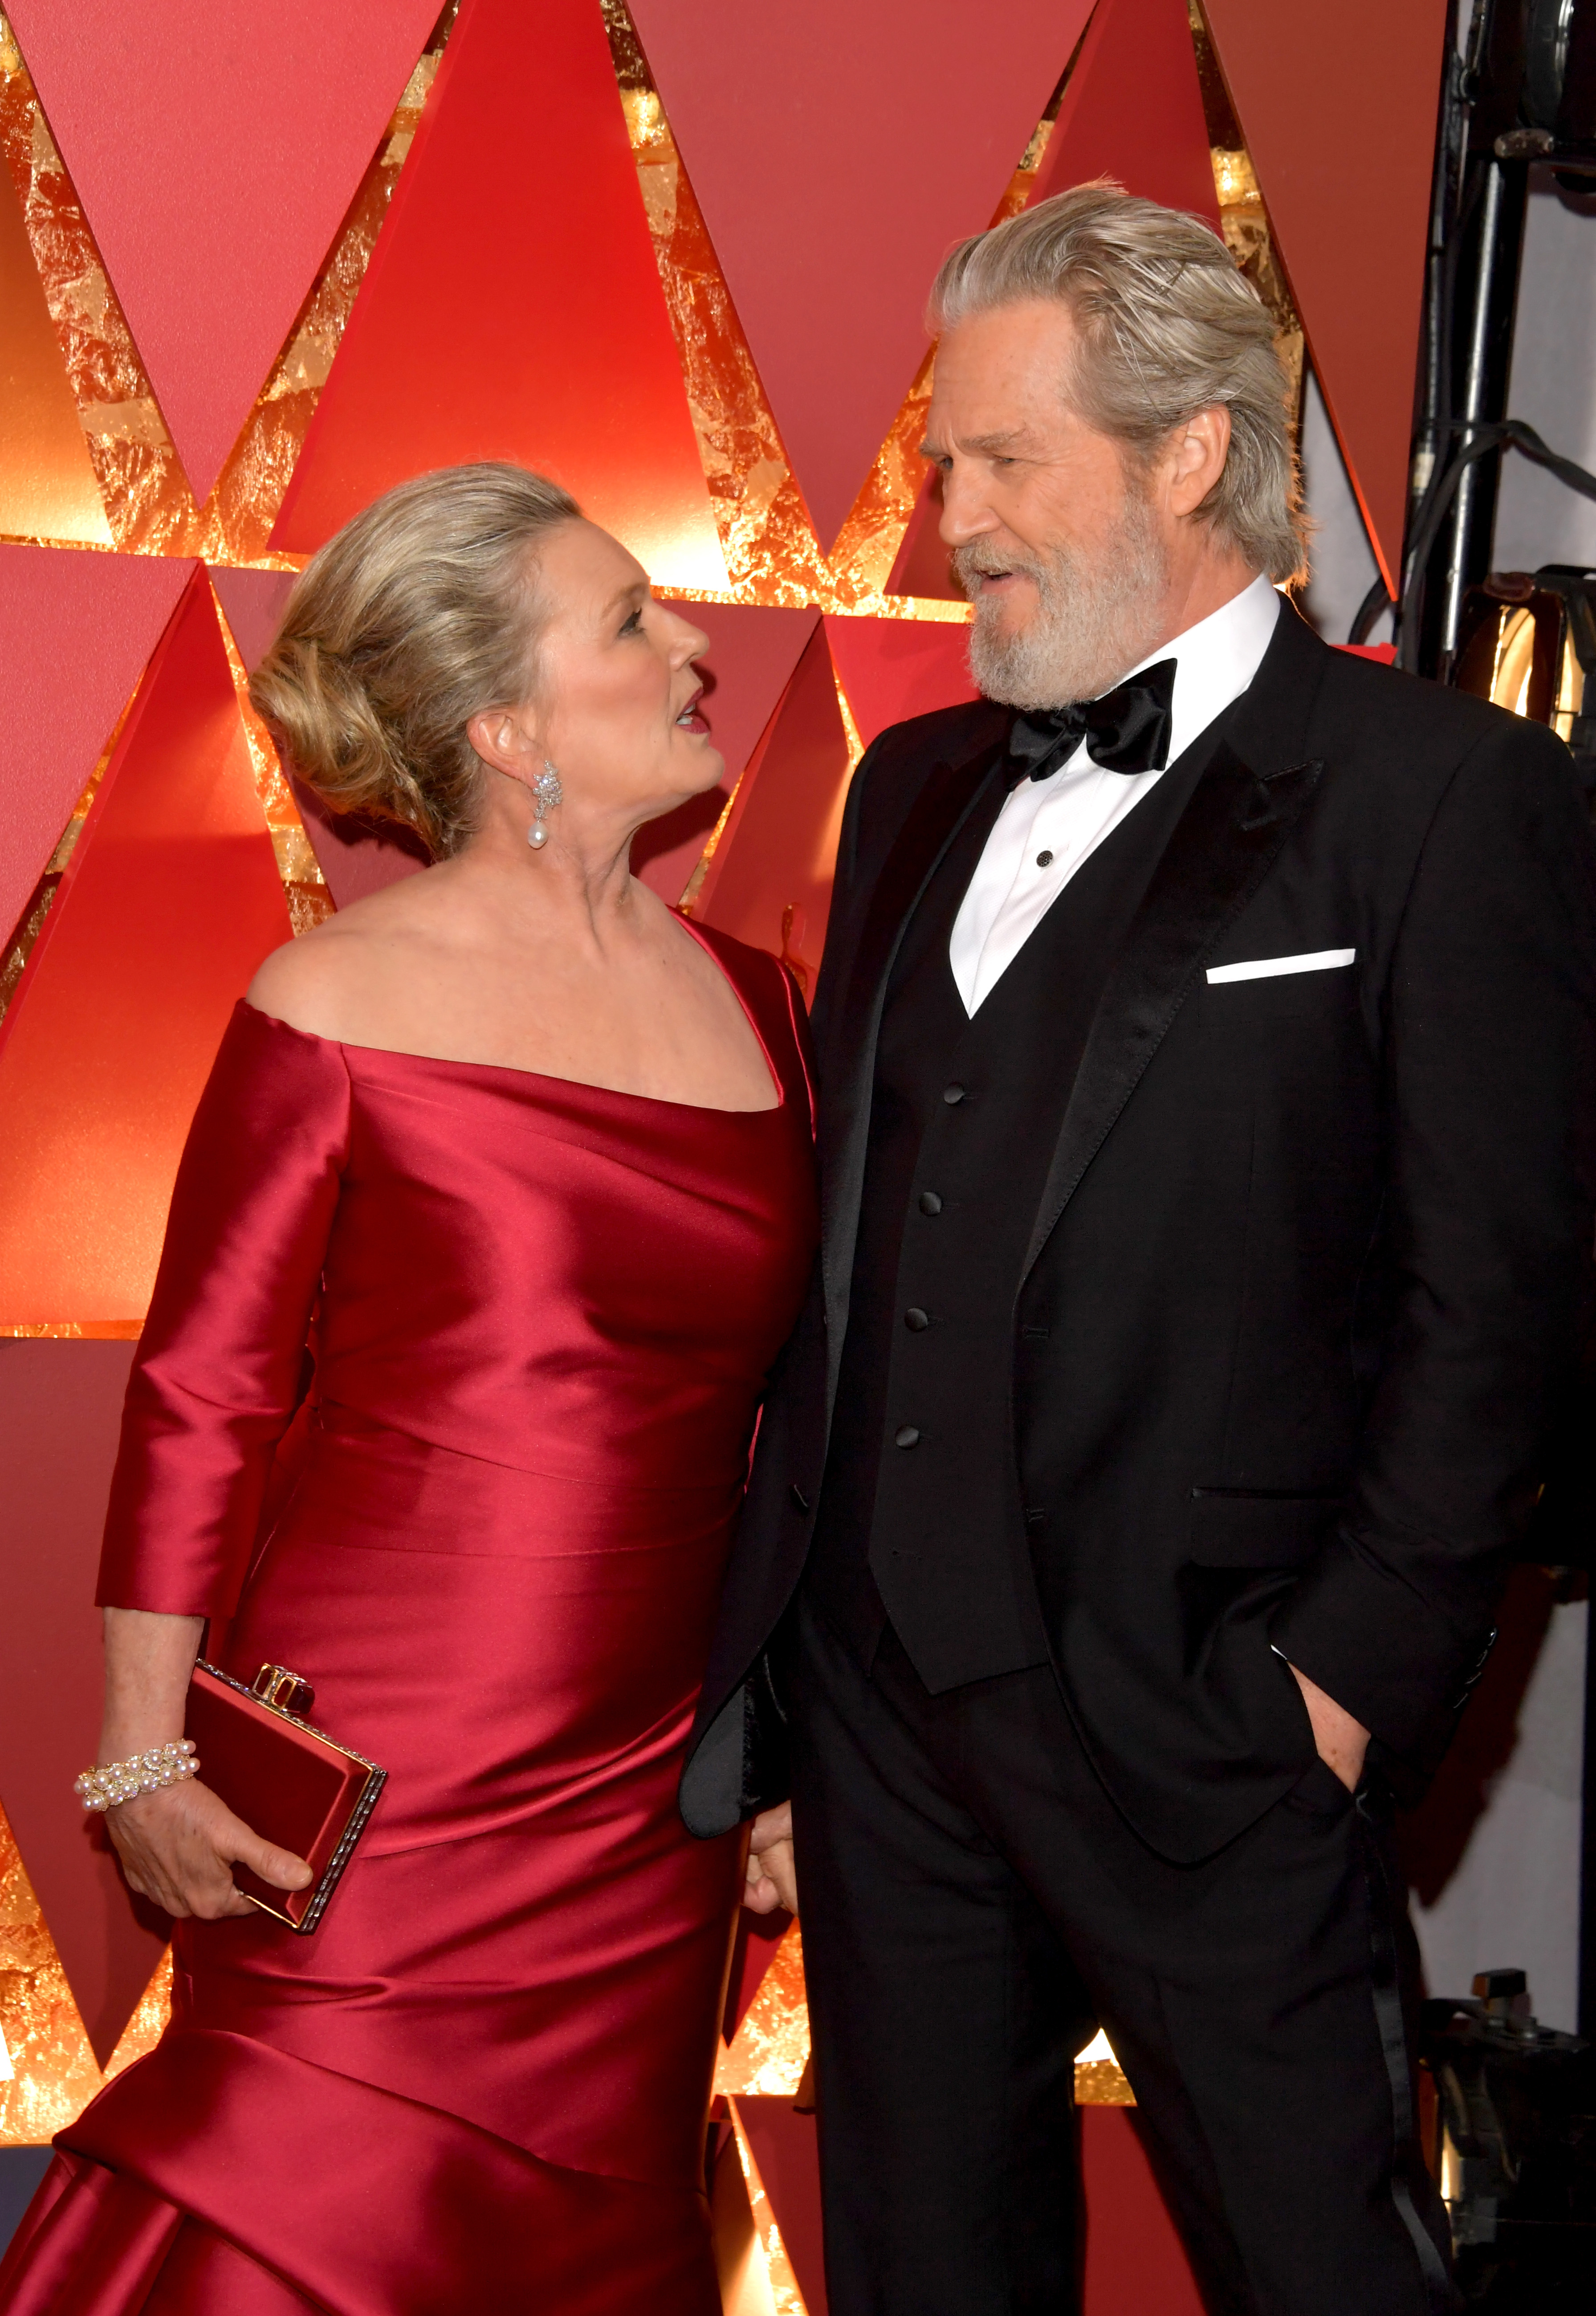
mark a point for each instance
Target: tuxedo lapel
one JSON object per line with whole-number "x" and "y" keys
{"x": 1221, "y": 849}
{"x": 951, "y": 792}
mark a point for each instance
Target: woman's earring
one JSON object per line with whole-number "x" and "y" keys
{"x": 547, "y": 792}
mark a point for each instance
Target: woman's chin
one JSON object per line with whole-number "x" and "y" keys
{"x": 704, "y": 763}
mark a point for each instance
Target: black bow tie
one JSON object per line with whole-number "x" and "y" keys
{"x": 1126, "y": 731}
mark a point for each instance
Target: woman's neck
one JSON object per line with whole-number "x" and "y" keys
{"x": 581, "y": 877}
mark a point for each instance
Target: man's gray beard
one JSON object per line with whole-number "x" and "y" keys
{"x": 1094, "y": 622}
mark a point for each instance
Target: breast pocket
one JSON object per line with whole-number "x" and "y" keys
{"x": 1243, "y": 1008}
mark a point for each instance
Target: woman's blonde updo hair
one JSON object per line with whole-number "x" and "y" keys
{"x": 418, "y": 615}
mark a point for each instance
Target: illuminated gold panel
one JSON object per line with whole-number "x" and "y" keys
{"x": 145, "y": 497}
{"x": 772, "y": 2045}
{"x": 771, "y": 553}
{"x": 50, "y": 2075}
{"x": 785, "y": 2298}
{"x": 304, "y": 887}
{"x": 47, "y": 488}
{"x": 1241, "y": 214}
{"x": 27, "y": 931}
{"x": 740, "y": 2265}
{"x": 145, "y": 2027}
{"x": 1100, "y": 2080}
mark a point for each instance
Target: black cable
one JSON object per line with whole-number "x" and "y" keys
{"x": 1497, "y": 435}
{"x": 1378, "y": 599}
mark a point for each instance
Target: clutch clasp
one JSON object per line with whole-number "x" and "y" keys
{"x": 275, "y": 1684}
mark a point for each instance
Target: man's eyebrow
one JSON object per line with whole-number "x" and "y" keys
{"x": 1015, "y": 437}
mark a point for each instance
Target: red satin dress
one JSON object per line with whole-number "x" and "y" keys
{"x": 542, "y": 1314}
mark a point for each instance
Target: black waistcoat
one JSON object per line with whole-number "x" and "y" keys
{"x": 920, "y": 1518}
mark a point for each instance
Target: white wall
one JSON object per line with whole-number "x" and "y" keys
{"x": 1553, "y": 388}
{"x": 1342, "y": 567}
{"x": 1513, "y": 1900}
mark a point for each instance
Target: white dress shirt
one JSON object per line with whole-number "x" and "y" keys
{"x": 1047, "y": 828}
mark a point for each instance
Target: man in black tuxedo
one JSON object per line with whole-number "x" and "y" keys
{"x": 1207, "y": 1142}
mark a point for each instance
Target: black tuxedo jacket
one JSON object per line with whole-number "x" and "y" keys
{"x": 1314, "y": 1255}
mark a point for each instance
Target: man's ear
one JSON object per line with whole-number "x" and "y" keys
{"x": 1197, "y": 451}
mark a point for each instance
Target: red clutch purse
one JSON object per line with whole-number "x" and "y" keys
{"x": 289, "y": 1782}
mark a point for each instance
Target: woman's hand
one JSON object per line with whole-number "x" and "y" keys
{"x": 179, "y": 1844}
{"x": 772, "y": 1879}
{"x": 178, "y": 1847}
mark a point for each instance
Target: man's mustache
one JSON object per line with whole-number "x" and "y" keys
{"x": 976, "y": 562}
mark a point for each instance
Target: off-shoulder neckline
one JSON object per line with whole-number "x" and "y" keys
{"x": 546, "y": 1077}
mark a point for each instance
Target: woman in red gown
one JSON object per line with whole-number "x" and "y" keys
{"x": 526, "y": 1159}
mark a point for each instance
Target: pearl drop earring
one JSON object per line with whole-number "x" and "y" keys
{"x": 547, "y": 792}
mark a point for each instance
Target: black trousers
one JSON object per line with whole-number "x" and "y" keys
{"x": 973, "y": 1900}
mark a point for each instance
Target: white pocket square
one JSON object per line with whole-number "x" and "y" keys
{"x": 1260, "y": 968}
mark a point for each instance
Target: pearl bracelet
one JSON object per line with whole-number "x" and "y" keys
{"x": 142, "y": 1773}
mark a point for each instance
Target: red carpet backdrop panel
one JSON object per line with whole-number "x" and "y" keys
{"x": 1318, "y": 99}
{"x": 512, "y": 308}
{"x": 214, "y": 154}
{"x": 885, "y": 133}
{"x": 170, "y": 901}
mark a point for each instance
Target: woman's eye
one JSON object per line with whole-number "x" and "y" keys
{"x": 634, "y": 626}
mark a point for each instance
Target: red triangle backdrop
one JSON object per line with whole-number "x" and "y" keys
{"x": 1132, "y": 109}
{"x": 76, "y": 631}
{"x": 783, "y": 2142}
{"x": 215, "y": 150}
{"x": 753, "y": 651}
{"x": 836, "y": 150}
{"x": 512, "y": 307}
{"x": 890, "y": 669}
{"x": 171, "y": 900}
{"x": 1338, "y": 107}
{"x": 779, "y": 841}
{"x": 253, "y": 602}
{"x": 60, "y": 1412}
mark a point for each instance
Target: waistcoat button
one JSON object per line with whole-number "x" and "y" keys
{"x": 905, "y": 1436}
{"x": 915, "y": 1320}
{"x": 952, "y": 1095}
{"x": 930, "y": 1204}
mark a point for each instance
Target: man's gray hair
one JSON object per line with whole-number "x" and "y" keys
{"x": 1168, "y": 327}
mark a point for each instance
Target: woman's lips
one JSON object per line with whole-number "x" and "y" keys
{"x": 692, "y": 718}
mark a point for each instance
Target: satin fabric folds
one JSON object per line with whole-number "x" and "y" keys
{"x": 486, "y": 1513}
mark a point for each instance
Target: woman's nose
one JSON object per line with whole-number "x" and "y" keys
{"x": 692, "y": 644}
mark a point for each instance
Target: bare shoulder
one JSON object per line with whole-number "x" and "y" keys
{"x": 329, "y": 980}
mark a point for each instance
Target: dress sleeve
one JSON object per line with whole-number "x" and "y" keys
{"x": 219, "y": 1369}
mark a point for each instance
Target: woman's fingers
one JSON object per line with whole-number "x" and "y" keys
{"x": 281, "y": 1867}
{"x": 178, "y": 1848}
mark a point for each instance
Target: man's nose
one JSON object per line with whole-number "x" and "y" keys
{"x": 965, "y": 513}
